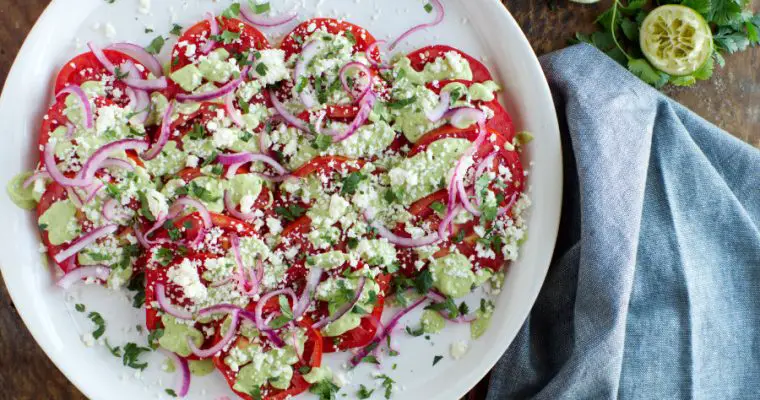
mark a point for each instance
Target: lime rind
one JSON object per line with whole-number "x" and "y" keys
{"x": 676, "y": 39}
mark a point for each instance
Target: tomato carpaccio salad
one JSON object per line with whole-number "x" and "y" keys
{"x": 271, "y": 202}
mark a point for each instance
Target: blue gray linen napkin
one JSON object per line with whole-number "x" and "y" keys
{"x": 654, "y": 291}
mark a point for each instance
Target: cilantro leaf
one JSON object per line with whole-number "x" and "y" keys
{"x": 641, "y": 68}
{"x": 98, "y": 320}
{"x": 156, "y": 45}
{"x": 351, "y": 183}
{"x": 325, "y": 389}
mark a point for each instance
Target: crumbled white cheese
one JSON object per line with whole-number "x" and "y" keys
{"x": 458, "y": 349}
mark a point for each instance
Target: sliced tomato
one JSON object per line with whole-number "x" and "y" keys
{"x": 500, "y": 122}
{"x": 366, "y": 331}
{"x": 494, "y": 139}
{"x": 328, "y": 164}
{"x": 294, "y": 41}
{"x": 312, "y": 357}
{"x": 197, "y": 35}
{"x": 55, "y": 118}
{"x": 430, "y": 53}
{"x": 86, "y": 67}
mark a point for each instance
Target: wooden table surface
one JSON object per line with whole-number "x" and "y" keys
{"x": 731, "y": 100}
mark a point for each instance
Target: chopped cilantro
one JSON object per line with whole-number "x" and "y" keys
{"x": 423, "y": 282}
{"x": 351, "y": 182}
{"x": 322, "y": 142}
{"x": 116, "y": 351}
{"x": 402, "y": 103}
{"x": 428, "y": 8}
{"x": 98, "y": 320}
{"x": 436, "y": 359}
{"x": 262, "y": 69}
{"x": 387, "y": 383}
{"x": 438, "y": 207}
{"x": 176, "y": 30}
{"x": 350, "y": 36}
{"x": 325, "y": 389}
{"x": 233, "y": 11}
{"x": 153, "y": 337}
{"x": 79, "y": 307}
{"x": 145, "y": 207}
{"x": 131, "y": 356}
{"x": 364, "y": 393}
{"x": 156, "y": 45}
{"x": 171, "y": 392}
{"x": 226, "y": 37}
{"x": 165, "y": 256}
{"x": 291, "y": 212}
{"x": 261, "y": 8}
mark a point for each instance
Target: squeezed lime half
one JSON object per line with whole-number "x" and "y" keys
{"x": 676, "y": 39}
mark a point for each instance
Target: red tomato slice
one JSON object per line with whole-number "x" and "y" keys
{"x": 294, "y": 41}
{"x": 328, "y": 164}
{"x": 250, "y": 38}
{"x": 364, "y": 333}
{"x": 86, "y": 67}
{"x": 430, "y": 53}
{"x": 501, "y": 121}
{"x": 312, "y": 356}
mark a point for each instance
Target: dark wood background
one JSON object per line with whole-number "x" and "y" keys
{"x": 731, "y": 100}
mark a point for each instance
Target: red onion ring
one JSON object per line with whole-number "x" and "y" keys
{"x": 439, "y": 111}
{"x": 232, "y": 111}
{"x": 163, "y": 137}
{"x": 97, "y": 187}
{"x": 443, "y": 228}
{"x": 69, "y": 130}
{"x": 223, "y": 342}
{"x": 101, "y": 272}
{"x": 267, "y": 331}
{"x": 440, "y": 13}
{"x": 117, "y": 163}
{"x": 185, "y": 201}
{"x": 213, "y": 31}
{"x": 110, "y": 211}
{"x": 312, "y": 281}
{"x": 465, "y": 199}
{"x": 344, "y": 308}
{"x": 355, "y": 360}
{"x": 219, "y": 309}
{"x": 308, "y": 52}
{"x": 89, "y": 117}
{"x": 95, "y": 162}
{"x": 140, "y": 237}
{"x": 458, "y": 115}
{"x": 75, "y": 197}
{"x": 260, "y": 324}
{"x": 233, "y": 211}
{"x": 246, "y": 157}
{"x": 260, "y": 20}
{"x": 35, "y": 177}
{"x": 228, "y": 88}
{"x": 167, "y": 306}
{"x": 184, "y": 368}
{"x": 366, "y": 104}
{"x": 139, "y": 101}
{"x": 143, "y": 57}
{"x": 398, "y": 240}
{"x": 135, "y": 83}
{"x": 287, "y": 116}
{"x": 343, "y": 74}
{"x": 370, "y": 58}
{"x": 84, "y": 241}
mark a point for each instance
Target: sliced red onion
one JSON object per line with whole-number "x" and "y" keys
{"x": 343, "y": 74}
{"x": 371, "y": 49}
{"x": 223, "y": 342}
{"x": 439, "y": 111}
{"x": 89, "y": 117}
{"x": 444, "y": 227}
{"x": 344, "y": 308}
{"x": 101, "y": 272}
{"x": 233, "y": 210}
{"x": 312, "y": 281}
{"x": 483, "y": 165}
{"x": 97, "y": 187}
{"x": 246, "y": 157}
{"x": 164, "y": 134}
{"x": 110, "y": 210}
{"x": 135, "y": 83}
{"x": 69, "y": 130}
{"x": 266, "y": 330}
{"x": 319, "y": 121}
{"x": 287, "y": 116}
{"x": 140, "y": 237}
{"x": 266, "y": 21}
{"x": 355, "y": 360}
{"x": 213, "y": 32}
{"x": 309, "y": 51}
{"x": 139, "y": 101}
{"x": 505, "y": 209}
{"x": 233, "y": 113}
{"x": 235, "y": 245}
{"x": 98, "y": 52}
{"x": 459, "y": 115}
{"x": 167, "y": 305}
{"x": 228, "y": 88}
{"x": 366, "y": 105}
{"x": 35, "y": 177}
{"x": 185, "y": 201}
{"x": 117, "y": 163}
{"x": 398, "y": 240}
{"x": 141, "y": 55}
{"x": 84, "y": 241}
{"x": 75, "y": 197}
{"x": 96, "y": 160}
{"x": 160, "y": 219}
{"x": 260, "y": 324}
{"x": 184, "y": 369}
{"x": 440, "y": 13}
{"x": 219, "y": 309}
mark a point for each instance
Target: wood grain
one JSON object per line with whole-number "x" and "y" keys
{"x": 731, "y": 100}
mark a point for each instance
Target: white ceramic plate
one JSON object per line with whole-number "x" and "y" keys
{"x": 482, "y": 28}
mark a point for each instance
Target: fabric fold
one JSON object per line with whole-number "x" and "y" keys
{"x": 653, "y": 291}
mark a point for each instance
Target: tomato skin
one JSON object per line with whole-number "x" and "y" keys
{"x": 250, "y": 38}
{"x": 428, "y": 54}
{"x": 328, "y": 164}
{"x": 501, "y": 121}
{"x": 290, "y": 44}
{"x": 364, "y": 333}
{"x": 86, "y": 67}
{"x": 312, "y": 352}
